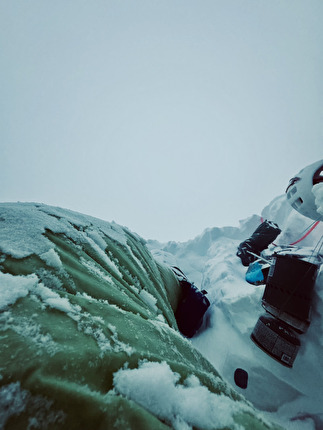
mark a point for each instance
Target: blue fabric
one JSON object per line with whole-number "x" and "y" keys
{"x": 254, "y": 273}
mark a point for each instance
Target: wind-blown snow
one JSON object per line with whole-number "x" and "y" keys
{"x": 292, "y": 397}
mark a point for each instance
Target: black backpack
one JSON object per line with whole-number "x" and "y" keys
{"x": 260, "y": 239}
{"x": 191, "y": 309}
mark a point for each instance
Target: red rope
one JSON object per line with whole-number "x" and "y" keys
{"x": 307, "y": 233}
{"x": 303, "y": 237}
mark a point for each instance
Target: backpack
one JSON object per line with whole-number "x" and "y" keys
{"x": 191, "y": 309}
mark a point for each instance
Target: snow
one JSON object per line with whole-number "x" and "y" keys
{"x": 15, "y": 400}
{"x": 156, "y": 387}
{"x": 92, "y": 267}
{"x": 291, "y": 397}
{"x": 14, "y": 287}
{"x": 27, "y": 328}
{"x": 51, "y": 258}
{"x": 118, "y": 345}
{"x": 41, "y": 218}
{"x": 86, "y": 323}
{"x": 149, "y": 299}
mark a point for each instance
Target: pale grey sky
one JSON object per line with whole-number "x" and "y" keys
{"x": 166, "y": 116}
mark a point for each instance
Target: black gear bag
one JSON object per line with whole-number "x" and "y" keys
{"x": 261, "y": 238}
{"x": 191, "y": 309}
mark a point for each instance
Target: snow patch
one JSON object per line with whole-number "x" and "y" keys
{"x": 183, "y": 406}
{"x": 149, "y": 300}
{"x": 93, "y": 268}
{"x": 51, "y": 258}
{"x": 54, "y": 300}
{"x": 119, "y": 346}
{"x": 105, "y": 258}
{"x": 15, "y": 287}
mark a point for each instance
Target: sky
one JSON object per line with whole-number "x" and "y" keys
{"x": 166, "y": 116}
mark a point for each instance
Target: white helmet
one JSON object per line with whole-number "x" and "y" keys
{"x": 299, "y": 190}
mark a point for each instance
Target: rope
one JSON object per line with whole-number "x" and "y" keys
{"x": 315, "y": 224}
{"x": 306, "y": 234}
